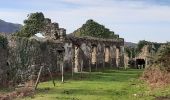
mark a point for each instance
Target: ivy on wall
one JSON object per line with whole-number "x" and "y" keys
{"x": 94, "y": 29}
{"x": 3, "y": 42}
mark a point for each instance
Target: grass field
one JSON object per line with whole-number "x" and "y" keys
{"x": 107, "y": 85}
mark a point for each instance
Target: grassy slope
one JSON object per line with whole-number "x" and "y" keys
{"x": 108, "y": 85}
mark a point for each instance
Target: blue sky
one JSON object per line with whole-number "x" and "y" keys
{"x": 133, "y": 20}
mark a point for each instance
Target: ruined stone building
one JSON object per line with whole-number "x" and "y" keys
{"x": 22, "y": 57}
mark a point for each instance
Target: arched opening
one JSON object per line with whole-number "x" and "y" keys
{"x": 140, "y": 63}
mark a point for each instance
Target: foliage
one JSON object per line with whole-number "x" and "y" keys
{"x": 3, "y": 42}
{"x": 131, "y": 51}
{"x": 153, "y": 46}
{"x": 163, "y": 56}
{"x": 94, "y": 29}
{"x": 32, "y": 25}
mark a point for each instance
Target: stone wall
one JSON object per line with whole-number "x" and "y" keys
{"x": 3, "y": 63}
{"x": 24, "y": 57}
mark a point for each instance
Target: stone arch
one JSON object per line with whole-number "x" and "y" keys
{"x": 140, "y": 63}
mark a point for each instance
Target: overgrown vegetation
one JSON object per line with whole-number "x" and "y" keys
{"x": 133, "y": 51}
{"x": 94, "y": 29}
{"x": 152, "y": 45}
{"x": 35, "y": 23}
{"x": 3, "y": 42}
{"x": 159, "y": 71}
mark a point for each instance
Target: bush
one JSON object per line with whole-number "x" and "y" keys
{"x": 155, "y": 76}
{"x": 159, "y": 72}
{"x": 3, "y": 42}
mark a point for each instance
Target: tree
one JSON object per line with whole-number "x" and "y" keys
{"x": 32, "y": 25}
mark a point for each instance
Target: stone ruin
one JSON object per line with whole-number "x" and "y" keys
{"x": 21, "y": 60}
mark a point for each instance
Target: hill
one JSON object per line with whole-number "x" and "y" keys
{"x": 130, "y": 44}
{"x": 8, "y": 27}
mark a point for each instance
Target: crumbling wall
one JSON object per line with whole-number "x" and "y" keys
{"x": 100, "y": 55}
{"x": 68, "y": 56}
{"x": 24, "y": 57}
{"x": 3, "y": 59}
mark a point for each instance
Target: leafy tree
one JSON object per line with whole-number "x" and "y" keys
{"x": 131, "y": 51}
{"x": 153, "y": 46}
{"x": 94, "y": 29}
{"x": 32, "y": 25}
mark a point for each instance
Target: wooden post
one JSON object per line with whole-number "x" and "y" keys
{"x": 39, "y": 74}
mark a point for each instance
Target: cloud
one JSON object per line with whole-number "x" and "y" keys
{"x": 128, "y": 18}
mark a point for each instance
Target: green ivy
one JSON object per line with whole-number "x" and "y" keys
{"x": 94, "y": 29}
{"x": 3, "y": 42}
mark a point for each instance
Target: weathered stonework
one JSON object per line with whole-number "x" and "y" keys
{"x": 24, "y": 56}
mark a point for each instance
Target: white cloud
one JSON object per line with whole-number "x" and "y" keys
{"x": 125, "y": 17}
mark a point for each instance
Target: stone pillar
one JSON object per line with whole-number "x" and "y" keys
{"x": 77, "y": 60}
{"x": 94, "y": 55}
{"x": 73, "y": 59}
{"x": 107, "y": 55}
{"x": 122, "y": 56}
{"x": 103, "y": 56}
{"x": 111, "y": 56}
{"x": 114, "y": 56}
{"x": 117, "y": 57}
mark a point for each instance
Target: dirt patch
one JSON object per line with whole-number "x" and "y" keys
{"x": 18, "y": 93}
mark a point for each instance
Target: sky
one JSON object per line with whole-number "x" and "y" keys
{"x": 133, "y": 20}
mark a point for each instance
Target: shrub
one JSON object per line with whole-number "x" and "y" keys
{"x": 3, "y": 42}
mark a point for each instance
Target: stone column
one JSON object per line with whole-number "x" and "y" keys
{"x": 77, "y": 60}
{"x": 117, "y": 57}
{"x": 122, "y": 56}
{"x": 103, "y": 56}
{"x": 94, "y": 55}
{"x": 114, "y": 56}
{"x": 73, "y": 59}
{"x": 107, "y": 54}
{"x": 90, "y": 58}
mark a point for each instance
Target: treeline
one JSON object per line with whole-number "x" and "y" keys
{"x": 133, "y": 51}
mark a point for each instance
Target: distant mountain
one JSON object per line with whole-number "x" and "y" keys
{"x": 7, "y": 27}
{"x": 130, "y": 44}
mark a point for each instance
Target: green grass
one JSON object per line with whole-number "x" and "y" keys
{"x": 107, "y": 85}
